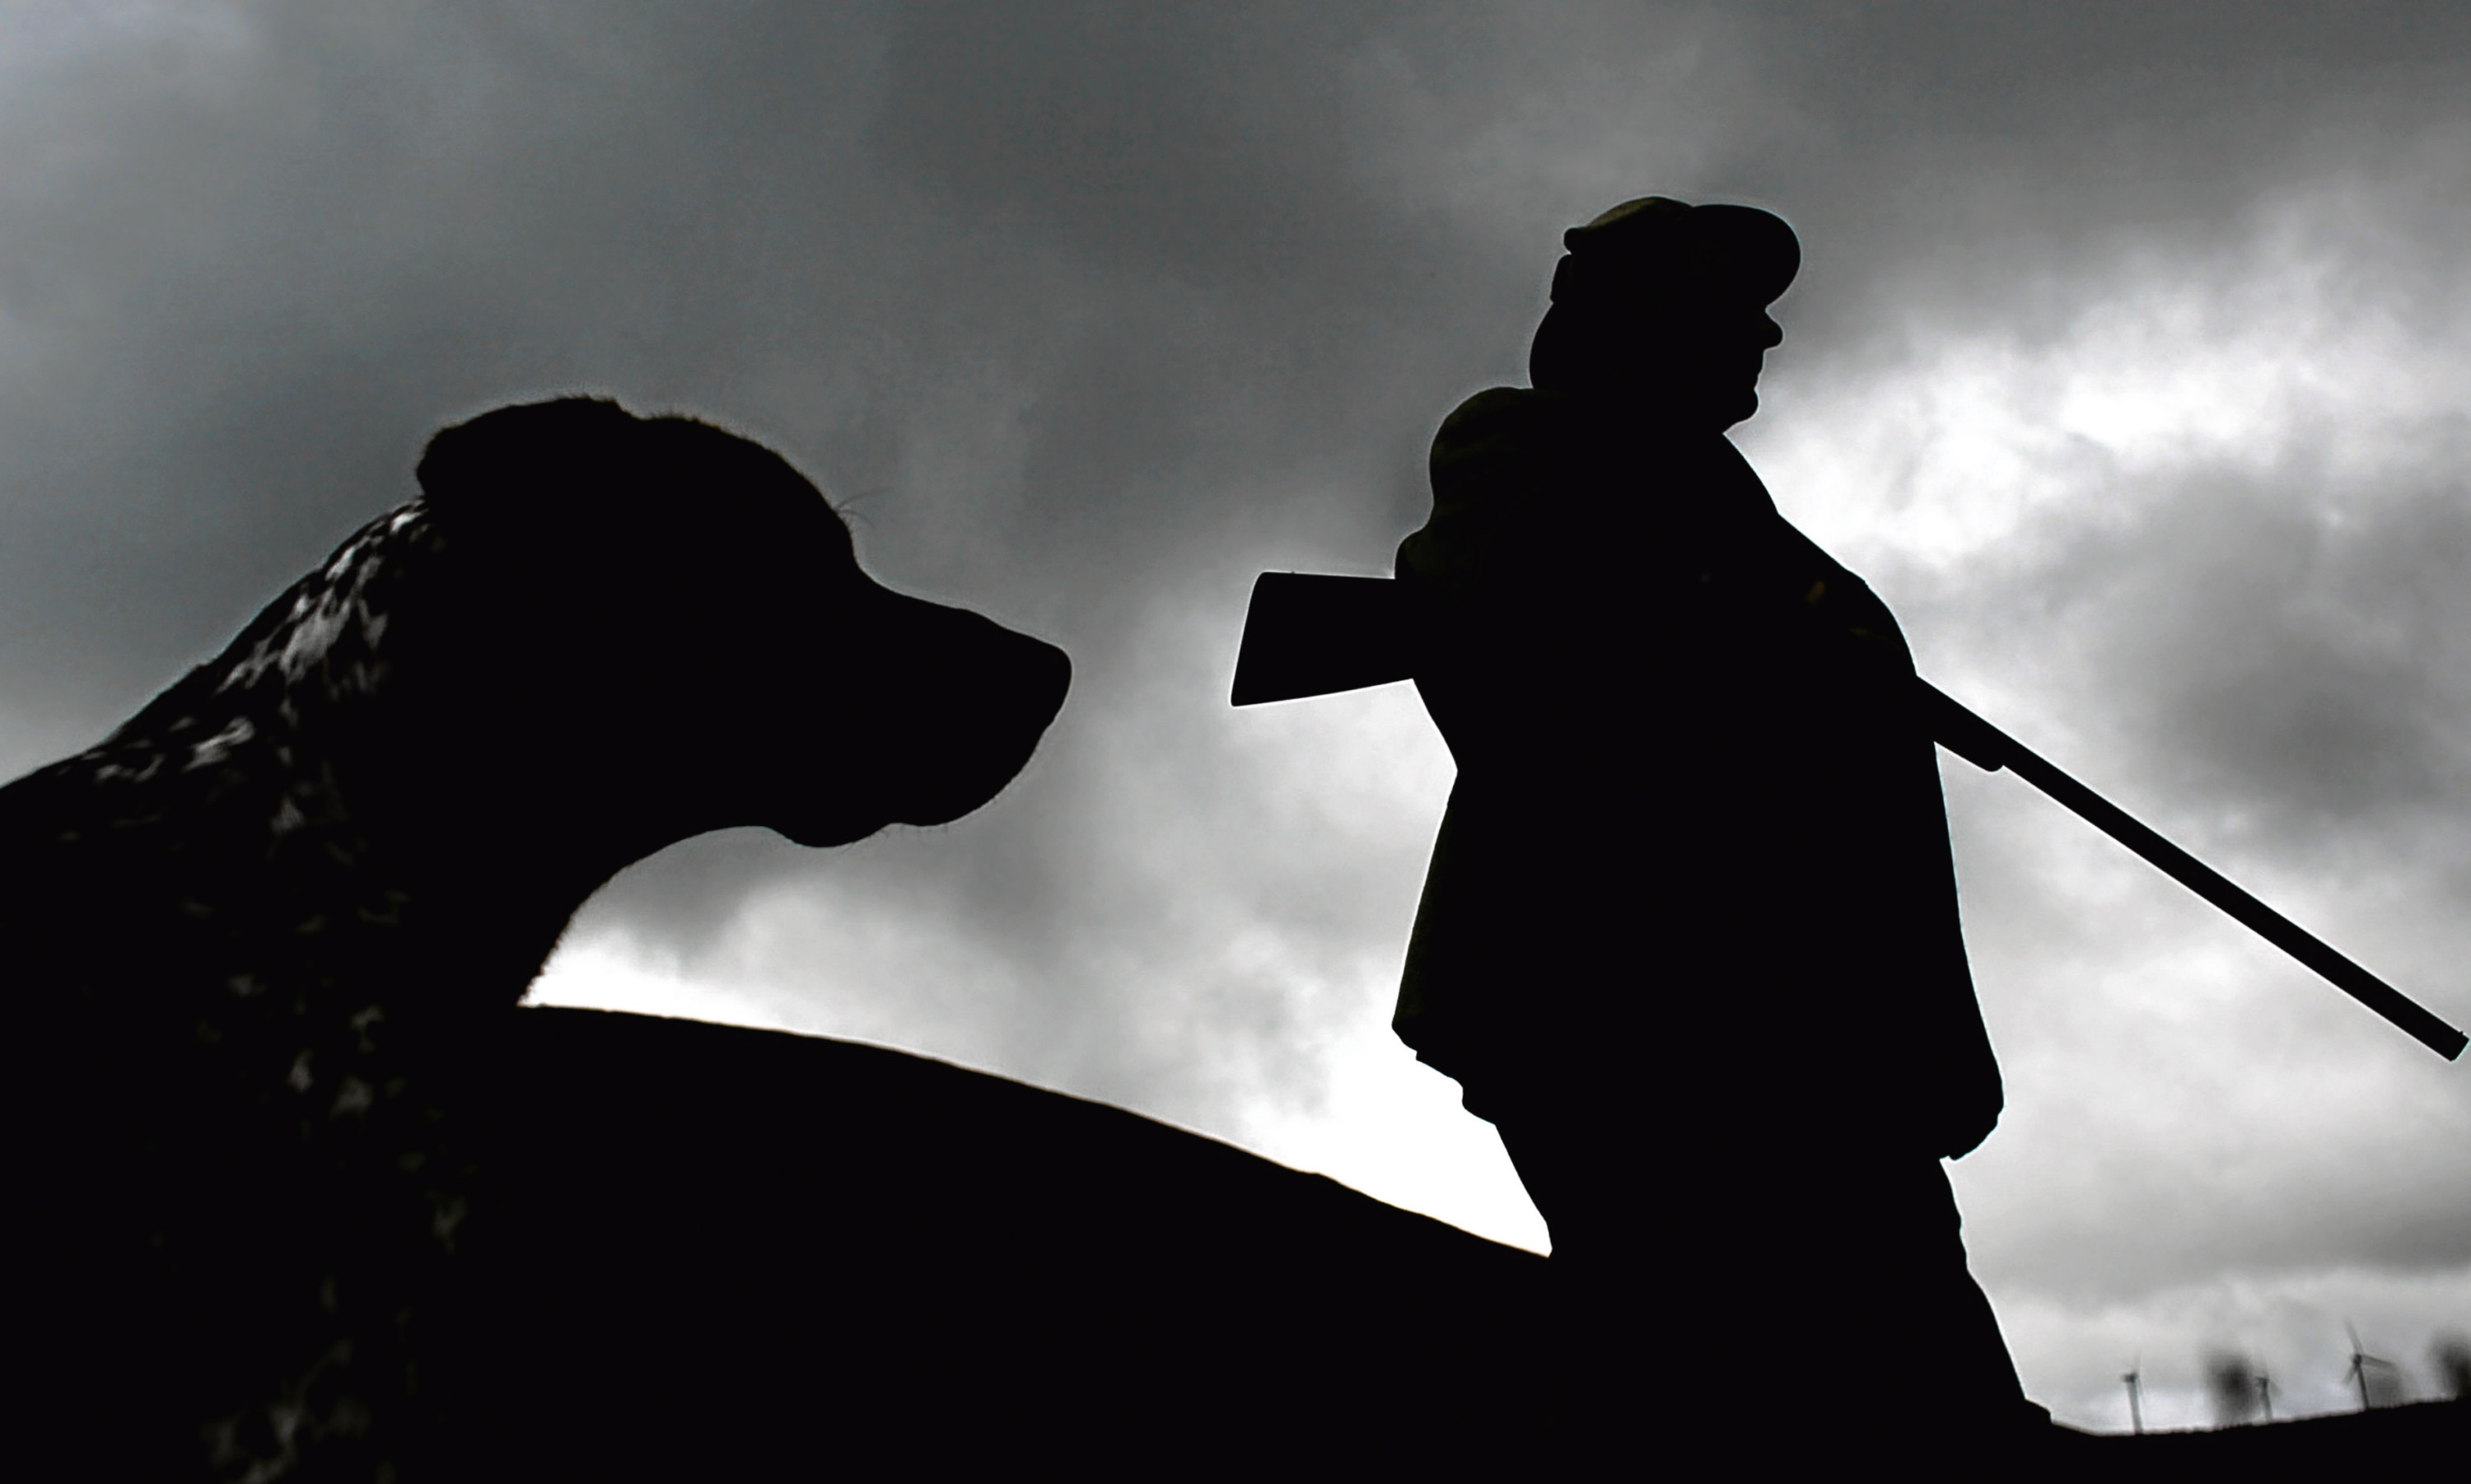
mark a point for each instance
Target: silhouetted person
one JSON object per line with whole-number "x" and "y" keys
{"x": 1691, "y": 936}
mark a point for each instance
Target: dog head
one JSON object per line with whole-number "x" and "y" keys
{"x": 664, "y": 627}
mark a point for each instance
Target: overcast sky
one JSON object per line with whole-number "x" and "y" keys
{"x": 2131, "y": 362}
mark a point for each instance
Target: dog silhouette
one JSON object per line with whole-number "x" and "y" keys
{"x": 265, "y": 937}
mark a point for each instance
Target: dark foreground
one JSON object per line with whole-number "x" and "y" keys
{"x": 757, "y": 1255}
{"x": 752, "y": 1255}
{"x": 2431, "y": 1435}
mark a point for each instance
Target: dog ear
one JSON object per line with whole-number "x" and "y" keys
{"x": 506, "y": 462}
{"x": 555, "y": 492}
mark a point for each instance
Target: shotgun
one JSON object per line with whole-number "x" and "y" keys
{"x": 1306, "y": 634}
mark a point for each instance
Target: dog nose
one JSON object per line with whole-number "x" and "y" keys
{"x": 1037, "y": 675}
{"x": 972, "y": 698}
{"x": 1017, "y": 689}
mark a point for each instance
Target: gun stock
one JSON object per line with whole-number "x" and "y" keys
{"x": 1306, "y": 634}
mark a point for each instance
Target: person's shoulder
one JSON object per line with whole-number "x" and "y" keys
{"x": 1497, "y": 411}
{"x": 1498, "y": 433}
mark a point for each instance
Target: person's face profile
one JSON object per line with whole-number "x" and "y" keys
{"x": 1703, "y": 353}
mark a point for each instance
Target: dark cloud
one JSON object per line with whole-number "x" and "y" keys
{"x": 1195, "y": 142}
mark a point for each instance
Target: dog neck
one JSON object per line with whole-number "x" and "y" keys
{"x": 241, "y": 902}
{"x": 270, "y": 796}
{"x": 242, "y": 866}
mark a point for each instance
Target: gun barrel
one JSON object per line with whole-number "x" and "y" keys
{"x": 1985, "y": 745}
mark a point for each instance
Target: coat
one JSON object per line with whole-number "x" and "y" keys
{"x": 1697, "y": 841}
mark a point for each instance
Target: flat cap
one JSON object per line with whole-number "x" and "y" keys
{"x": 1655, "y": 240}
